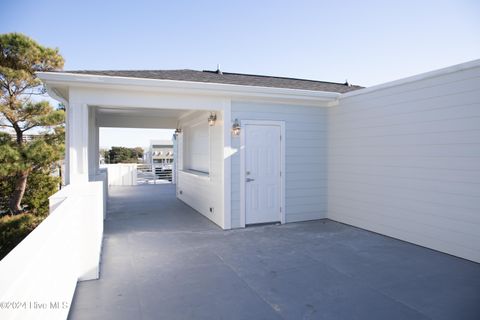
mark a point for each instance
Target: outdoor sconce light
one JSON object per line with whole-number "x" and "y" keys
{"x": 212, "y": 119}
{"x": 177, "y": 131}
{"x": 236, "y": 128}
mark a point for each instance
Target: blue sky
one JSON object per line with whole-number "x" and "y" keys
{"x": 366, "y": 42}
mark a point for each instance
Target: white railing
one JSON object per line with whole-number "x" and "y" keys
{"x": 131, "y": 174}
{"x": 38, "y": 277}
{"x": 121, "y": 174}
{"x": 156, "y": 173}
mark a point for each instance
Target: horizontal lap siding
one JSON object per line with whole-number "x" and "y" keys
{"x": 306, "y": 160}
{"x": 405, "y": 162}
{"x": 196, "y": 192}
{"x": 200, "y": 192}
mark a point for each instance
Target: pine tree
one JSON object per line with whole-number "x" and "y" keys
{"x": 20, "y": 58}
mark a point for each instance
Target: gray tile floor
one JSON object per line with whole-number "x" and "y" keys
{"x": 163, "y": 260}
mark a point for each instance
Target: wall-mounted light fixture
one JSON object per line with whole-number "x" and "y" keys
{"x": 176, "y": 133}
{"x": 236, "y": 128}
{"x": 212, "y": 119}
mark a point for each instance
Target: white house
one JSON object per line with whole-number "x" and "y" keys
{"x": 401, "y": 159}
{"x": 160, "y": 152}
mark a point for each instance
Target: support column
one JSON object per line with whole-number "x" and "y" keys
{"x": 227, "y": 164}
{"x": 97, "y": 149}
{"x": 77, "y": 128}
{"x": 92, "y": 144}
{"x": 66, "y": 161}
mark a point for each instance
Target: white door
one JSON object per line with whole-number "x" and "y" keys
{"x": 262, "y": 173}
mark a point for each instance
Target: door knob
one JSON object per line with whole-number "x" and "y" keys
{"x": 249, "y": 180}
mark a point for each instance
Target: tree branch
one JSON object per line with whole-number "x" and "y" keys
{"x": 9, "y": 120}
{"x": 30, "y": 127}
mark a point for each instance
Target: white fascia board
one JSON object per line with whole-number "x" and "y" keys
{"x": 415, "y": 78}
{"x": 55, "y": 94}
{"x": 63, "y": 79}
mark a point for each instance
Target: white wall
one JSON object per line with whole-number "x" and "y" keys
{"x": 203, "y": 191}
{"x": 306, "y": 159}
{"x": 196, "y": 140}
{"x": 45, "y": 267}
{"x": 121, "y": 174}
{"x": 404, "y": 160}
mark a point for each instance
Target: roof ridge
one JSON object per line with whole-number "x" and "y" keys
{"x": 278, "y": 77}
{"x": 225, "y": 77}
{"x": 125, "y": 70}
{"x": 212, "y": 71}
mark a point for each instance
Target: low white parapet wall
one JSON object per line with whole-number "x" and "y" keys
{"x": 121, "y": 174}
{"x": 102, "y": 175}
{"x": 38, "y": 277}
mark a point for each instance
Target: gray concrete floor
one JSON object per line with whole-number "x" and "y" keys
{"x": 163, "y": 260}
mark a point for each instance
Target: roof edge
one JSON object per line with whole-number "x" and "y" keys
{"x": 58, "y": 79}
{"x": 415, "y": 78}
{"x": 86, "y": 72}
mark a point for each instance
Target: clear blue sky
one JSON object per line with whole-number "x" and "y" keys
{"x": 366, "y": 42}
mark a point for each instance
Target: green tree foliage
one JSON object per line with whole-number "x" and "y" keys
{"x": 20, "y": 58}
{"x": 40, "y": 186}
{"x": 14, "y": 229}
{"x": 123, "y": 155}
{"x": 138, "y": 152}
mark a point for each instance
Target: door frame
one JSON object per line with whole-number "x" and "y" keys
{"x": 243, "y": 198}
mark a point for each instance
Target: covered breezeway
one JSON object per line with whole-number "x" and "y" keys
{"x": 163, "y": 260}
{"x": 203, "y": 146}
{"x": 197, "y": 143}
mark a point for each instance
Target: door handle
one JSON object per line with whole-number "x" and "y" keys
{"x": 249, "y": 179}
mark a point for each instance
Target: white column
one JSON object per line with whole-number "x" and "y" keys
{"x": 92, "y": 144}
{"x": 175, "y": 157}
{"x": 78, "y": 127}
{"x": 97, "y": 149}
{"x": 66, "y": 163}
{"x": 227, "y": 164}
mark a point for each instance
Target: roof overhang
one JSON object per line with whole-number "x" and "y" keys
{"x": 58, "y": 84}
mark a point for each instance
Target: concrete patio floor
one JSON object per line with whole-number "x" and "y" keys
{"x": 163, "y": 260}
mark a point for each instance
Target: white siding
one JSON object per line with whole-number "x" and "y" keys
{"x": 404, "y": 161}
{"x": 306, "y": 160}
{"x": 121, "y": 174}
{"x": 196, "y": 141}
{"x": 203, "y": 192}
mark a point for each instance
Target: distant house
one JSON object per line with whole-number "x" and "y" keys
{"x": 401, "y": 158}
{"x": 160, "y": 154}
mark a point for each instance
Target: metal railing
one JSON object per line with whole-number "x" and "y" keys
{"x": 153, "y": 174}
{"x": 27, "y": 137}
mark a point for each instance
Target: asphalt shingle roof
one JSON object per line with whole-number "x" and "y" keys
{"x": 226, "y": 78}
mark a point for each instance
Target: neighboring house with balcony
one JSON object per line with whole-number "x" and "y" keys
{"x": 160, "y": 154}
